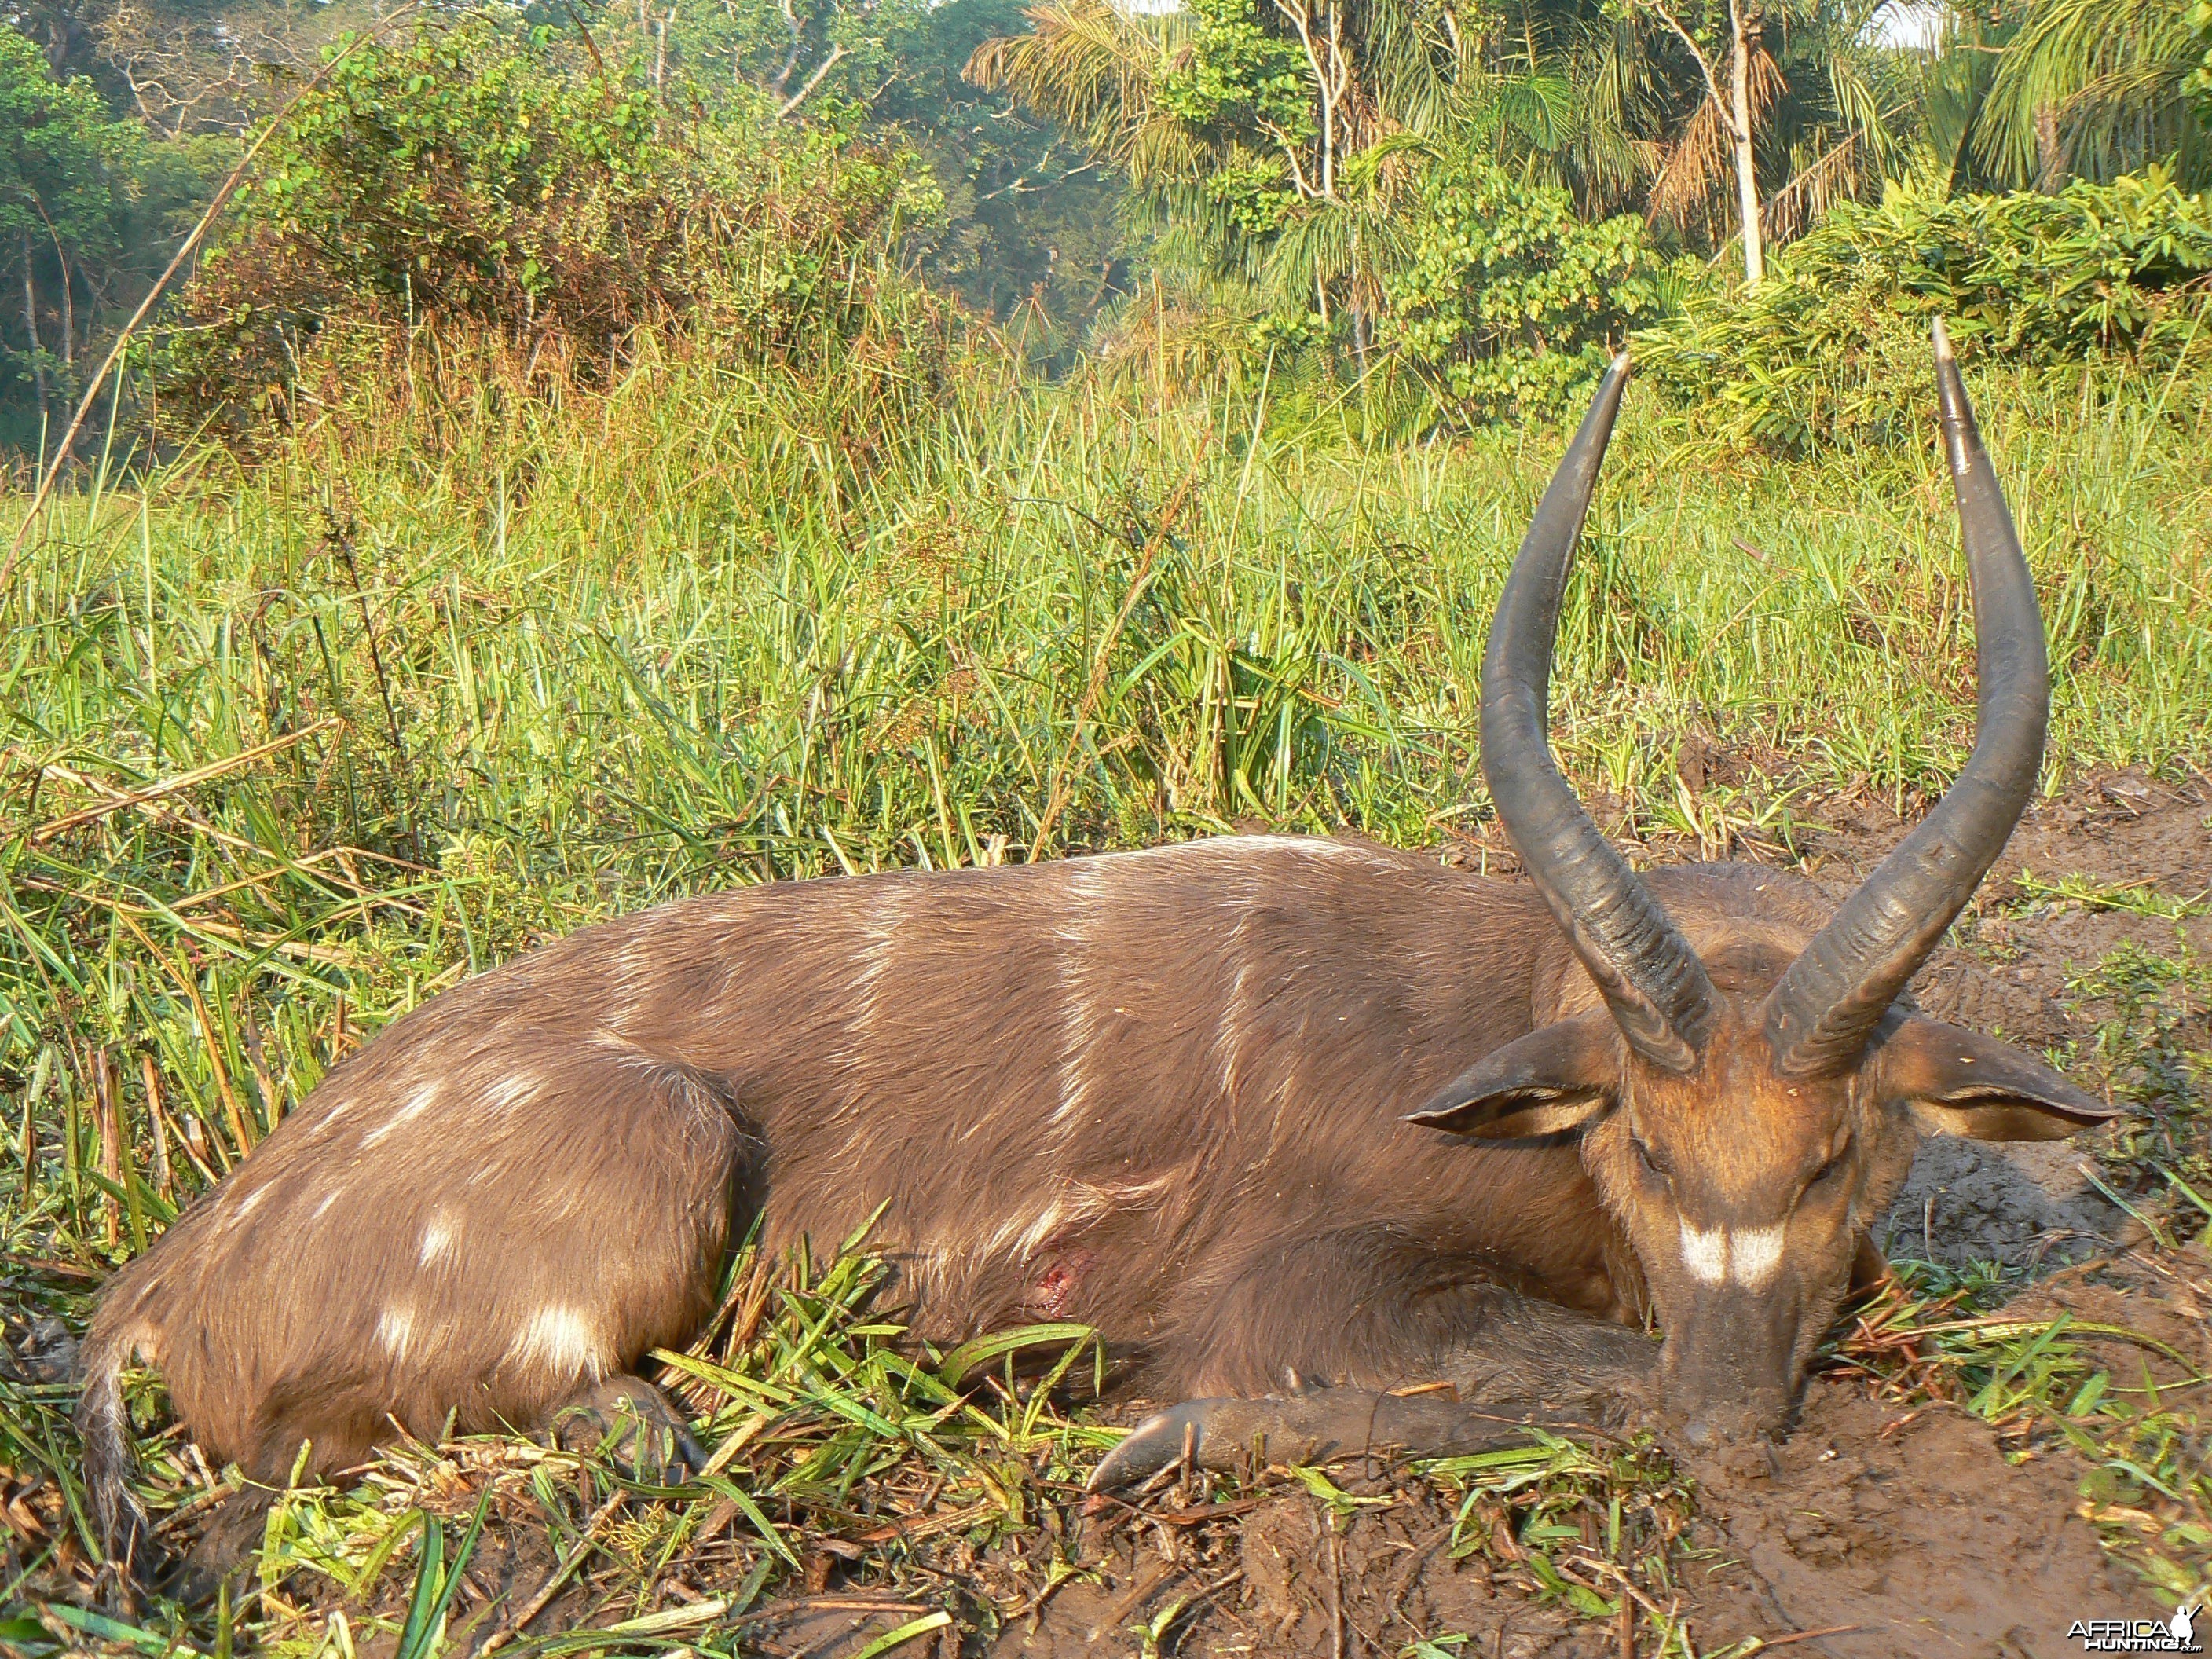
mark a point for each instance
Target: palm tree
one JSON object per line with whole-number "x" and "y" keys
{"x": 1267, "y": 147}
{"x": 2096, "y": 88}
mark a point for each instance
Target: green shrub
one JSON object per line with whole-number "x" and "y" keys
{"x": 493, "y": 181}
{"x": 1832, "y": 347}
{"x": 1508, "y": 299}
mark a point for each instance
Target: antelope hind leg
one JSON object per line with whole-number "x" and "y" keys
{"x": 1529, "y": 1363}
{"x": 629, "y": 1418}
{"x": 233, "y": 1533}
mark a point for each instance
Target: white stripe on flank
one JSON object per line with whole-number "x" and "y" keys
{"x": 880, "y": 926}
{"x": 516, "y": 1089}
{"x": 1077, "y": 1025}
{"x": 1319, "y": 847}
{"x": 418, "y": 1102}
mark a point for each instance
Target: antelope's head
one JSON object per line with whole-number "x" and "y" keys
{"x": 1748, "y": 1111}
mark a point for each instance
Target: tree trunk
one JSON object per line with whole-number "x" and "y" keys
{"x": 69, "y": 318}
{"x": 31, "y": 327}
{"x": 2050, "y": 157}
{"x": 1741, "y": 24}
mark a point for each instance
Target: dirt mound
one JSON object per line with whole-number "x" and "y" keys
{"x": 2111, "y": 829}
{"x": 1899, "y": 1533}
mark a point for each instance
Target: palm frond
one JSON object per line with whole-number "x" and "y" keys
{"x": 2104, "y": 79}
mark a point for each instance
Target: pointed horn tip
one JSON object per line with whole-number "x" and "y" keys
{"x": 1943, "y": 338}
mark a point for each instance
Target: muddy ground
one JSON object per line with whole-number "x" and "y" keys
{"x": 1878, "y": 1528}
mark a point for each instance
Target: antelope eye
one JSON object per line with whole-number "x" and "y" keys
{"x": 1831, "y": 1169}
{"x": 1654, "y": 1164}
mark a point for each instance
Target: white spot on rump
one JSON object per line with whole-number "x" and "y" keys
{"x": 415, "y": 1105}
{"x": 438, "y": 1237}
{"x": 562, "y": 1340}
{"x": 395, "y": 1326}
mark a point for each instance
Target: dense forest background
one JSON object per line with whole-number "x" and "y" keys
{"x": 1456, "y": 206}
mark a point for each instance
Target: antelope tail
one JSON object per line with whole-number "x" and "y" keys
{"x": 111, "y": 1459}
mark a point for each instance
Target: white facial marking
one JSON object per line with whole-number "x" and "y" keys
{"x": 1704, "y": 1253}
{"x": 1753, "y": 1255}
{"x": 438, "y": 1238}
{"x": 1749, "y": 1256}
{"x": 563, "y": 1340}
{"x": 415, "y": 1104}
{"x": 328, "y": 1199}
{"x": 394, "y": 1327}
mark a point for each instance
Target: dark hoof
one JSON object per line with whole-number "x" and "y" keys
{"x": 1157, "y": 1441}
{"x": 627, "y": 1419}
{"x": 225, "y": 1547}
{"x": 1320, "y": 1426}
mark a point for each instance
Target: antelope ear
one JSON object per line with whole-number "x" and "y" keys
{"x": 1957, "y": 1082}
{"x": 1557, "y": 1078}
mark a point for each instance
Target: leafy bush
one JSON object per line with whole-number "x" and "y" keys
{"x": 1508, "y": 299}
{"x": 490, "y": 179}
{"x": 1833, "y": 347}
